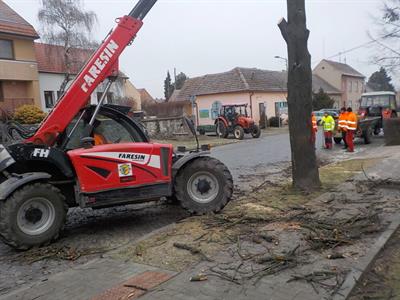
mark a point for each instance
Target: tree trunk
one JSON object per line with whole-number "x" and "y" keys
{"x": 304, "y": 162}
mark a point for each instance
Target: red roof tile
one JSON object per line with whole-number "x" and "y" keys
{"x": 50, "y": 58}
{"x": 13, "y": 23}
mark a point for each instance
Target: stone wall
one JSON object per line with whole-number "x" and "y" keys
{"x": 159, "y": 128}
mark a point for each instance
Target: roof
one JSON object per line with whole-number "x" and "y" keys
{"x": 13, "y": 23}
{"x": 50, "y": 58}
{"x": 319, "y": 83}
{"x": 174, "y": 96}
{"x": 145, "y": 96}
{"x": 344, "y": 68}
{"x": 243, "y": 80}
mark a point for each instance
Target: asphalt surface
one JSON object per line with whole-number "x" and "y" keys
{"x": 102, "y": 230}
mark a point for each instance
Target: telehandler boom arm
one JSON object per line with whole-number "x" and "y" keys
{"x": 102, "y": 64}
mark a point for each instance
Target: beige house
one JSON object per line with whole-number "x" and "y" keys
{"x": 263, "y": 91}
{"x": 19, "y": 77}
{"x": 343, "y": 77}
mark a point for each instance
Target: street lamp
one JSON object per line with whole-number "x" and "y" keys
{"x": 286, "y": 61}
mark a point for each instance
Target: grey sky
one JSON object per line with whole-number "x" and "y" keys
{"x": 208, "y": 36}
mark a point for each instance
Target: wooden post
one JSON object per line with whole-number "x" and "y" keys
{"x": 294, "y": 31}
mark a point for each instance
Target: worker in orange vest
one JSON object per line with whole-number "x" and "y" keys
{"x": 351, "y": 129}
{"x": 314, "y": 128}
{"x": 342, "y": 125}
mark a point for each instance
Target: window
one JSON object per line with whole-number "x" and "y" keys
{"x": 356, "y": 88}
{"x": 215, "y": 108}
{"x": 111, "y": 131}
{"x": 49, "y": 99}
{"x": 350, "y": 86}
{"x": 6, "y": 49}
{"x": 59, "y": 94}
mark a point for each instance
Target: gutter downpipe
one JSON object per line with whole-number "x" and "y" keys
{"x": 251, "y": 103}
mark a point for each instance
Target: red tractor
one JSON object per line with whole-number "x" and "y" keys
{"x": 233, "y": 118}
{"x": 97, "y": 157}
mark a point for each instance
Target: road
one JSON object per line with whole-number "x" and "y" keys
{"x": 89, "y": 230}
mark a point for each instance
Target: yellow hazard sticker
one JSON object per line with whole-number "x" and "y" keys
{"x": 125, "y": 170}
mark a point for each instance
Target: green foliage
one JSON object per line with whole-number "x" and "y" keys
{"x": 168, "y": 87}
{"x": 29, "y": 114}
{"x": 322, "y": 100}
{"x": 381, "y": 81}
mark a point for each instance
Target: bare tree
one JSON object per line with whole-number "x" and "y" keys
{"x": 65, "y": 23}
{"x": 304, "y": 163}
{"x": 387, "y": 37}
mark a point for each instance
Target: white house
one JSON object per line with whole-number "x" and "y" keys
{"x": 51, "y": 66}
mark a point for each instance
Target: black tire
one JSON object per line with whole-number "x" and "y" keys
{"x": 338, "y": 140}
{"x": 14, "y": 233}
{"x": 377, "y": 130}
{"x": 256, "y": 132}
{"x": 202, "y": 131}
{"x": 238, "y": 132}
{"x": 367, "y": 136}
{"x": 218, "y": 174}
{"x": 221, "y": 130}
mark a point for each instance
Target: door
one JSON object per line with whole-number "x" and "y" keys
{"x": 121, "y": 157}
{"x": 120, "y": 166}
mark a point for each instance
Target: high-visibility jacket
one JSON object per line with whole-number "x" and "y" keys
{"x": 314, "y": 124}
{"x": 328, "y": 123}
{"x": 351, "y": 121}
{"x": 342, "y": 123}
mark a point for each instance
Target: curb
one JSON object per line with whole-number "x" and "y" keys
{"x": 365, "y": 262}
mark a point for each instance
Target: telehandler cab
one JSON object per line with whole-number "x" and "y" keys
{"x": 96, "y": 157}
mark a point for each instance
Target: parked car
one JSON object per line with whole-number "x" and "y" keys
{"x": 318, "y": 114}
{"x": 332, "y": 111}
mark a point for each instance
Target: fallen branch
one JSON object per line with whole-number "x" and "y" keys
{"x": 193, "y": 250}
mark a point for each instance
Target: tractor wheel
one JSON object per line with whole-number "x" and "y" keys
{"x": 337, "y": 140}
{"x": 221, "y": 130}
{"x": 367, "y": 136}
{"x": 202, "y": 131}
{"x": 32, "y": 216}
{"x": 256, "y": 132}
{"x": 238, "y": 132}
{"x": 204, "y": 185}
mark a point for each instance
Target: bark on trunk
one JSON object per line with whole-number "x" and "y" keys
{"x": 295, "y": 32}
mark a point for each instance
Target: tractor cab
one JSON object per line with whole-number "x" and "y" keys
{"x": 234, "y": 112}
{"x": 378, "y": 104}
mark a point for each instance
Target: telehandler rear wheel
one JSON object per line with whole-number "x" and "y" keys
{"x": 32, "y": 216}
{"x": 204, "y": 185}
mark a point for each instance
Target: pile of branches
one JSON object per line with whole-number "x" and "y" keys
{"x": 329, "y": 233}
{"x": 252, "y": 268}
{"x": 330, "y": 281}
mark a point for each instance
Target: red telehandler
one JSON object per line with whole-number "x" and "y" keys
{"x": 97, "y": 157}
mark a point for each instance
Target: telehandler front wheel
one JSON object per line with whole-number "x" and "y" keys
{"x": 204, "y": 185}
{"x": 32, "y": 216}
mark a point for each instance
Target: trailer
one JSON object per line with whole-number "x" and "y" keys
{"x": 365, "y": 129}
